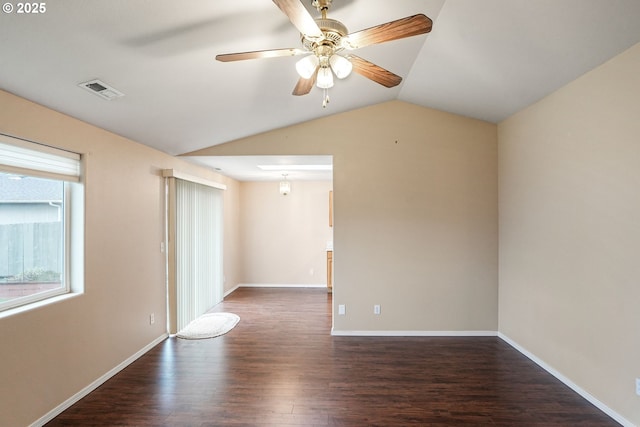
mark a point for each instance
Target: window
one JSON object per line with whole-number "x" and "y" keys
{"x": 40, "y": 222}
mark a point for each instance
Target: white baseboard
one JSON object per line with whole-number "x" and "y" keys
{"x": 271, "y": 285}
{"x": 276, "y": 285}
{"x": 97, "y": 383}
{"x": 566, "y": 381}
{"x": 414, "y": 333}
{"x": 230, "y": 291}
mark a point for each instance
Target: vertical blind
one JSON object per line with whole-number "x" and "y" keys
{"x": 198, "y": 239}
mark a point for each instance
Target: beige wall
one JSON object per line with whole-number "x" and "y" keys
{"x": 570, "y": 231}
{"x": 284, "y": 238}
{"x": 415, "y": 193}
{"x": 51, "y": 353}
{"x": 232, "y": 256}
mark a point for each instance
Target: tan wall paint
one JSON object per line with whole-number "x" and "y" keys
{"x": 232, "y": 256}
{"x": 570, "y": 231}
{"x": 51, "y": 353}
{"x": 285, "y": 237}
{"x": 415, "y": 196}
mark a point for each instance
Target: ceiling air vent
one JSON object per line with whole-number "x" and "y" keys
{"x": 101, "y": 89}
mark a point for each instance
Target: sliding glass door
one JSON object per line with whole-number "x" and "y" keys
{"x": 195, "y": 250}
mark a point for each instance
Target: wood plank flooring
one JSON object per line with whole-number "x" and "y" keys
{"x": 281, "y": 367}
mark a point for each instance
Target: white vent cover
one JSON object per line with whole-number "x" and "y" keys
{"x": 101, "y": 89}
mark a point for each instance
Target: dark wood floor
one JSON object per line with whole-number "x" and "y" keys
{"x": 280, "y": 367}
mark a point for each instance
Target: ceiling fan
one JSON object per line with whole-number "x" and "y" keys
{"x": 324, "y": 42}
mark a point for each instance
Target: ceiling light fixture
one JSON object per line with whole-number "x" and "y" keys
{"x": 341, "y": 66}
{"x": 325, "y": 61}
{"x": 306, "y": 67}
{"x": 323, "y": 41}
{"x": 285, "y": 186}
{"x": 285, "y": 168}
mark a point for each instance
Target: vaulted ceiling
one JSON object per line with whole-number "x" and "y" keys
{"x": 485, "y": 59}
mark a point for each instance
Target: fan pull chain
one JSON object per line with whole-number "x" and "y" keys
{"x": 325, "y": 99}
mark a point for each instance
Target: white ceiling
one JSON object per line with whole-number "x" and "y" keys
{"x": 485, "y": 59}
{"x": 248, "y": 168}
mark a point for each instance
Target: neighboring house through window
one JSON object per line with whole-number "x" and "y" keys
{"x": 40, "y": 223}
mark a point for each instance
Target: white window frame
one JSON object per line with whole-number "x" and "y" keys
{"x": 28, "y": 158}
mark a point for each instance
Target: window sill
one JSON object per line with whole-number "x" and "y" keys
{"x": 38, "y": 304}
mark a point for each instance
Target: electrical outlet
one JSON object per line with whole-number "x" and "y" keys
{"x": 376, "y": 309}
{"x": 152, "y": 318}
{"x": 342, "y": 309}
{"x": 638, "y": 386}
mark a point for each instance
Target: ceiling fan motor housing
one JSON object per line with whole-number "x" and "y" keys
{"x": 333, "y": 32}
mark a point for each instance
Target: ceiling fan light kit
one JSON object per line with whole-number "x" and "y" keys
{"x": 306, "y": 67}
{"x": 323, "y": 39}
{"x": 325, "y": 78}
{"x": 341, "y": 66}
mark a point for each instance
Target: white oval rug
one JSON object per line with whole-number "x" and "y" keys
{"x": 209, "y": 325}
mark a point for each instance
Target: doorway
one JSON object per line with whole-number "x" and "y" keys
{"x": 195, "y": 246}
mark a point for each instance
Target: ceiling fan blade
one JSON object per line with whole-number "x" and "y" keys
{"x": 256, "y": 54}
{"x": 374, "y": 72}
{"x": 304, "y": 86}
{"x": 394, "y": 30}
{"x": 299, "y": 17}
